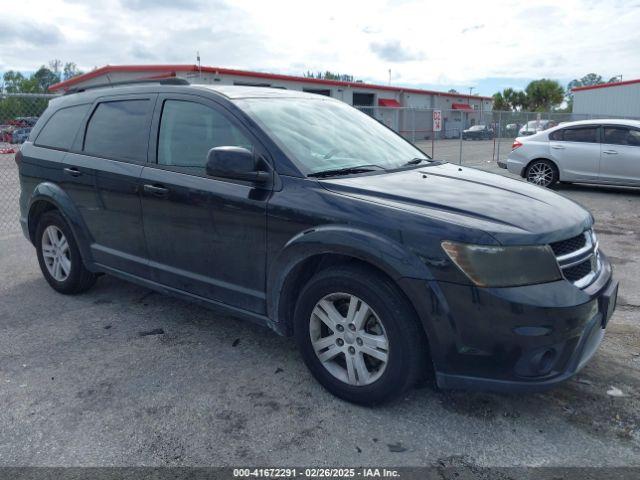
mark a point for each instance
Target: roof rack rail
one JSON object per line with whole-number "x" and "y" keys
{"x": 163, "y": 81}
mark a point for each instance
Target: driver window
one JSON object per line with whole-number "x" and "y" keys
{"x": 188, "y": 130}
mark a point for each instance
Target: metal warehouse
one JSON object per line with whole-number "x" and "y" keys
{"x": 619, "y": 99}
{"x": 403, "y": 109}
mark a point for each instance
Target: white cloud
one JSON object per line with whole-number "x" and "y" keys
{"x": 436, "y": 43}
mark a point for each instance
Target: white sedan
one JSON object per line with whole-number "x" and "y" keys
{"x": 587, "y": 151}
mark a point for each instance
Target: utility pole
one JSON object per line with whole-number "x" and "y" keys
{"x": 389, "y": 76}
{"x": 471, "y": 89}
{"x": 199, "y": 66}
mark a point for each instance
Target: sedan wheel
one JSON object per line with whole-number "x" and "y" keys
{"x": 349, "y": 339}
{"x": 542, "y": 173}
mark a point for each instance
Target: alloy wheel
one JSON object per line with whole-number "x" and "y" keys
{"x": 540, "y": 174}
{"x": 349, "y": 339}
{"x": 56, "y": 253}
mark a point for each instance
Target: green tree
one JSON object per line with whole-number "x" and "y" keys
{"x": 44, "y": 78}
{"x": 70, "y": 70}
{"x": 330, "y": 76}
{"x": 12, "y": 81}
{"x": 510, "y": 100}
{"x": 588, "y": 80}
{"x": 499, "y": 102}
{"x": 544, "y": 94}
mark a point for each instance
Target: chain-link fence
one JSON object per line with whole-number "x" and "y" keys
{"x": 18, "y": 115}
{"x": 489, "y": 140}
{"x": 471, "y": 137}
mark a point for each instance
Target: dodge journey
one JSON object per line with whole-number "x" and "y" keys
{"x": 308, "y": 216}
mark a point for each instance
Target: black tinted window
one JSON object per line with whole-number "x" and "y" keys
{"x": 119, "y": 130}
{"x": 587, "y": 134}
{"x": 557, "y": 135}
{"x": 61, "y": 128}
{"x": 189, "y": 130}
{"x": 621, "y": 136}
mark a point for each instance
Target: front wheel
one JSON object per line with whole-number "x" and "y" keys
{"x": 542, "y": 172}
{"x": 358, "y": 335}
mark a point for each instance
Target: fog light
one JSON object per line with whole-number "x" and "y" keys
{"x": 542, "y": 362}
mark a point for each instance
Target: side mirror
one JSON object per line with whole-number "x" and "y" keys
{"x": 236, "y": 163}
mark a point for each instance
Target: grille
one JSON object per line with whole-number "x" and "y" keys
{"x": 578, "y": 258}
{"x": 575, "y": 273}
{"x": 569, "y": 245}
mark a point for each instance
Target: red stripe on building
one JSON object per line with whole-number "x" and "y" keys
{"x": 606, "y": 85}
{"x": 244, "y": 73}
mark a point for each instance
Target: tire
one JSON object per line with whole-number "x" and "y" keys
{"x": 71, "y": 276}
{"x": 391, "y": 318}
{"x": 543, "y": 173}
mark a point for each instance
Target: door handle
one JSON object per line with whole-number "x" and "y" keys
{"x": 73, "y": 171}
{"x": 610, "y": 152}
{"x": 157, "y": 191}
{"x": 557, "y": 147}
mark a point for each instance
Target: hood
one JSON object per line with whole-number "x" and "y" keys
{"x": 512, "y": 211}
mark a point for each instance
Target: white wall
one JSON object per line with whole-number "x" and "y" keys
{"x": 620, "y": 101}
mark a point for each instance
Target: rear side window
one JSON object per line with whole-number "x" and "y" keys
{"x": 557, "y": 135}
{"x": 586, "y": 134}
{"x": 189, "y": 130}
{"x": 61, "y": 128}
{"x": 118, "y": 130}
{"x": 621, "y": 136}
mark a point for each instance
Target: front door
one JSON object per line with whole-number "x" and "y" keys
{"x": 620, "y": 155}
{"x": 205, "y": 236}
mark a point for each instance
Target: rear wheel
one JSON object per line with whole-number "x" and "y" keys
{"x": 542, "y": 172}
{"x": 358, "y": 334}
{"x": 59, "y": 256}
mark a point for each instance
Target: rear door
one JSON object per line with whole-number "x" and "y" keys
{"x": 620, "y": 155}
{"x": 205, "y": 236}
{"x": 576, "y": 151}
{"x": 102, "y": 174}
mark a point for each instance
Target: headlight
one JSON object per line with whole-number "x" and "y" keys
{"x": 495, "y": 266}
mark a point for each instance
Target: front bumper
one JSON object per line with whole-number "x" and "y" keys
{"x": 515, "y": 339}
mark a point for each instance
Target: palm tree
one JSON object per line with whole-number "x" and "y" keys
{"x": 544, "y": 94}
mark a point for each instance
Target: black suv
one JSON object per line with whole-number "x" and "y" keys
{"x": 301, "y": 213}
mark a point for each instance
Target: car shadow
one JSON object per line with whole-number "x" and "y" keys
{"x": 584, "y": 187}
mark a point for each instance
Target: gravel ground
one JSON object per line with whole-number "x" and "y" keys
{"x": 124, "y": 376}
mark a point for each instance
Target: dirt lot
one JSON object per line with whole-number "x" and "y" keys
{"x": 124, "y": 376}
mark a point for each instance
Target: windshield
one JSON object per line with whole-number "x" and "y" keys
{"x": 477, "y": 127}
{"x": 532, "y": 124}
{"x": 329, "y": 135}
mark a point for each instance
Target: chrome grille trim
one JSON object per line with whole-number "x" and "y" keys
{"x": 589, "y": 252}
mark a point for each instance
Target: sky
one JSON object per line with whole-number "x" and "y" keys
{"x": 487, "y": 45}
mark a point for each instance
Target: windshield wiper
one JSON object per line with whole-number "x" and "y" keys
{"x": 345, "y": 171}
{"x": 416, "y": 161}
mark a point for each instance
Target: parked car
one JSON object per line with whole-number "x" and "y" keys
{"x": 303, "y": 214}
{"x": 24, "y": 121}
{"x": 478, "y": 132}
{"x": 6, "y": 135}
{"x": 587, "y": 151}
{"x": 19, "y": 135}
{"x": 534, "y": 126}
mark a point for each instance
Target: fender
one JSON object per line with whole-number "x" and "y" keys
{"x": 381, "y": 251}
{"x": 54, "y": 194}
